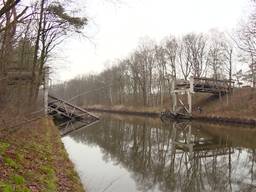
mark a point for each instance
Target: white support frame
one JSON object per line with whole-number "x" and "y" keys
{"x": 177, "y": 92}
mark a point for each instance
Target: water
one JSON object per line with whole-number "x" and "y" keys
{"x": 129, "y": 154}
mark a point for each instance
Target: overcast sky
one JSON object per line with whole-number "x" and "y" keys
{"x": 115, "y": 30}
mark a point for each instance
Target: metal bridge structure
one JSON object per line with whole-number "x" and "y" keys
{"x": 68, "y": 116}
{"x": 200, "y": 85}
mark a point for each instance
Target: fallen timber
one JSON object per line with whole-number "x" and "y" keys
{"x": 68, "y": 116}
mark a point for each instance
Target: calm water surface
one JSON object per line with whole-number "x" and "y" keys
{"x": 130, "y": 154}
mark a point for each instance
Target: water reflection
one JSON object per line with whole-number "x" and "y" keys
{"x": 158, "y": 156}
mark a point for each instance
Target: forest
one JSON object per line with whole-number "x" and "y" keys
{"x": 29, "y": 34}
{"x": 144, "y": 77}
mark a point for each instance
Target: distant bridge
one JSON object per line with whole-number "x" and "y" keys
{"x": 205, "y": 85}
{"x": 201, "y": 85}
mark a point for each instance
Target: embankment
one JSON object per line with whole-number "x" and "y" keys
{"x": 33, "y": 159}
{"x": 124, "y": 111}
{"x": 238, "y": 108}
{"x": 197, "y": 117}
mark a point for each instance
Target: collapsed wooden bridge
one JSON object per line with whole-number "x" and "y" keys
{"x": 69, "y": 116}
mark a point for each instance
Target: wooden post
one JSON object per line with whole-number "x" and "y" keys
{"x": 174, "y": 96}
{"x": 46, "y": 90}
{"x": 191, "y": 87}
{"x": 174, "y": 100}
{"x": 189, "y": 102}
{"x": 190, "y": 92}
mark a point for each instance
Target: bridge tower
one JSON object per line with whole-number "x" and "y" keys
{"x": 182, "y": 89}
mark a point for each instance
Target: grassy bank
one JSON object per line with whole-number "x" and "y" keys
{"x": 240, "y": 105}
{"x": 33, "y": 158}
{"x": 123, "y": 110}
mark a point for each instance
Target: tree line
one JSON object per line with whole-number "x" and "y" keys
{"x": 144, "y": 77}
{"x": 29, "y": 33}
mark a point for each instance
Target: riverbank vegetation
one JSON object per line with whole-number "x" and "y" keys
{"x": 241, "y": 104}
{"x": 29, "y": 34}
{"x": 33, "y": 159}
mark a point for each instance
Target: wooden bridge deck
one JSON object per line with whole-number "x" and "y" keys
{"x": 206, "y": 85}
{"x": 67, "y": 113}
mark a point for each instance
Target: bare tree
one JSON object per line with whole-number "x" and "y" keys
{"x": 10, "y": 17}
{"x": 228, "y": 49}
{"x": 54, "y": 24}
{"x": 171, "y": 47}
{"x": 217, "y": 54}
{"x": 247, "y": 43}
{"x": 161, "y": 61}
{"x": 184, "y": 58}
{"x": 196, "y": 45}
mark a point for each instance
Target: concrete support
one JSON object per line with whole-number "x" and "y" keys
{"x": 191, "y": 85}
{"x": 174, "y": 101}
{"x": 189, "y": 102}
{"x": 188, "y": 92}
{"x": 174, "y": 96}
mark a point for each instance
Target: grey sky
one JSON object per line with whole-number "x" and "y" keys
{"x": 115, "y": 30}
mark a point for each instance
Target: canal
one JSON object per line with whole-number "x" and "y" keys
{"x": 138, "y": 154}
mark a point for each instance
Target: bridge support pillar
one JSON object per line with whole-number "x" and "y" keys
{"x": 189, "y": 102}
{"x": 188, "y": 92}
{"x": 174, "y": 101}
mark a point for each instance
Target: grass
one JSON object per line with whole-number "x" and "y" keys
{"x": 10, "y": 163}
{"x": 241, "y": 104}
{"x": 3, "y": 147}
{"x": 33, "y": 159}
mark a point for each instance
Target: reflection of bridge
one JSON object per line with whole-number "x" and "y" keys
{"x": 203, "y": 150}
{"x": 198, "y": 147}
{"x": 66, "y": 113}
